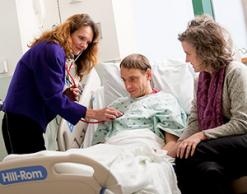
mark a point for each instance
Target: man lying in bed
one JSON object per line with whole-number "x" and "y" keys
{"x": 134, "y": 146}
{"x": 147, "y": 111}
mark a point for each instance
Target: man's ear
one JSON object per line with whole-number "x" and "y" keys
{"x": 149, "y": 74}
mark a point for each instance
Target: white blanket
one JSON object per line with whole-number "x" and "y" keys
{"x": 137, "y": 161}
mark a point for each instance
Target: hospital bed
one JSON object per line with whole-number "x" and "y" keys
{"x": 104, "y": 84}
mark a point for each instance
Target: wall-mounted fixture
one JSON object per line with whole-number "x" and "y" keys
{"x": 100, "y": 30}
{"x": 39, "y": 10}
{"x": 4, "y": 67}
{"x": 75, "y": 1}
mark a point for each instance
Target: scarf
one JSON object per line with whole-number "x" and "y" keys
{"x": 209, "y": 99}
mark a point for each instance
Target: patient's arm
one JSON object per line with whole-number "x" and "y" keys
{"x": 170, "y": 144}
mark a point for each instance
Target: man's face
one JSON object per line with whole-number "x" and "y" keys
{"x": 137, "y": 82}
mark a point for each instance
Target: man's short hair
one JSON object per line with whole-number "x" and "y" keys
{"x": 136, "y": 61}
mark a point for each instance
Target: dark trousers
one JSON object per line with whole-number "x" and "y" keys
{"x": 215, "y": 164}
{"x": 21, "y": 134}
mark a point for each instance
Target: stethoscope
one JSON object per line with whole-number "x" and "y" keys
{"x": 74, "y": 84}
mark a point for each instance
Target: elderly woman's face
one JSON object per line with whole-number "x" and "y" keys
{"x": 191, "y": 56}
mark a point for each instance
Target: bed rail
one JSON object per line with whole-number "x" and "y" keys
{"x": 53, "y": 172}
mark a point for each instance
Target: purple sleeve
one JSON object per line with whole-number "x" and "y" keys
{"x": 50, "y": 78}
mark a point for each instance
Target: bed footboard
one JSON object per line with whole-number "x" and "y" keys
{"x": 53, "y": 172}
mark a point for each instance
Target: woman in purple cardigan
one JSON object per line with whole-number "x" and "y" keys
{"x": 36, "y": 93}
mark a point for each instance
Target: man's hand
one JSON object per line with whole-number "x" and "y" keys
{"x": 171, "y": 150}
{"x": 188, "y": 146}
{"x": 170, "y": 144}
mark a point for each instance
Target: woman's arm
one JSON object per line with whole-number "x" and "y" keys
{"x": 105, "y": 114}
{"x": 192, "y": 126}
{"x": 234, "y": 103}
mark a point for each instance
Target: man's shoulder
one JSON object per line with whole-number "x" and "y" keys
{"x": 164, "y": 98}
{"x": 163, "y": 94}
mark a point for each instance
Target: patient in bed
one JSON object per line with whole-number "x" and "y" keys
{"x": 135, "y": 147}
{"x": 154, "y": 112}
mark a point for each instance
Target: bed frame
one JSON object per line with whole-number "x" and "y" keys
{"x": 70, "y": 136}
{"x": 52, "y": 172}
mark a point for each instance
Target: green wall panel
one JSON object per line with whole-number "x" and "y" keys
{"x": 203, "y": 7}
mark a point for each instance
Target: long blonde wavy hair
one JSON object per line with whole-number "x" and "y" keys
{"x": 61, "y": 35}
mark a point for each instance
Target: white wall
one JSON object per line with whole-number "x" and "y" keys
{"x": 230, "y": 14}
{"x": 10, "y": 50}
{"x": 158, "y": 24}
{"x": 113, "y": 16}
{"x": 30, "y": 23}
{"x": 51, "y": 14}
{"x": 10, "y": 47}
{"x": 135, "y": 25}
{"x": 101, "y": 12}
{"x": 125, "y": 26}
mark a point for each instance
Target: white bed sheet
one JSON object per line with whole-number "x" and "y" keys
{"x": 131, "y": 162}
{"x": 137, "y": 161}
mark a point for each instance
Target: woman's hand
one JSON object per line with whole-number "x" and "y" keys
{"x": 187, "y": 147}
{"x": 73, "y": 93}
{"x": 105, "y": 114}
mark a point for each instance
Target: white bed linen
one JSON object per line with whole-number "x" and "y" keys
{"x": 137, "y": 161}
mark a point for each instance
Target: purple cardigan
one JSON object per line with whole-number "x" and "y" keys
{"x": 36, "y": 89}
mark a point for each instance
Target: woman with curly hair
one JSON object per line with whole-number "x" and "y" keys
{"x": 211, "y": 152}
{"x": 36, "y": 93}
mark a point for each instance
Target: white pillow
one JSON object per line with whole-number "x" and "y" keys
{"x": 168, "y": 75}
{"x": 177, "y": 78}
{"x": 109, "y": 74}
